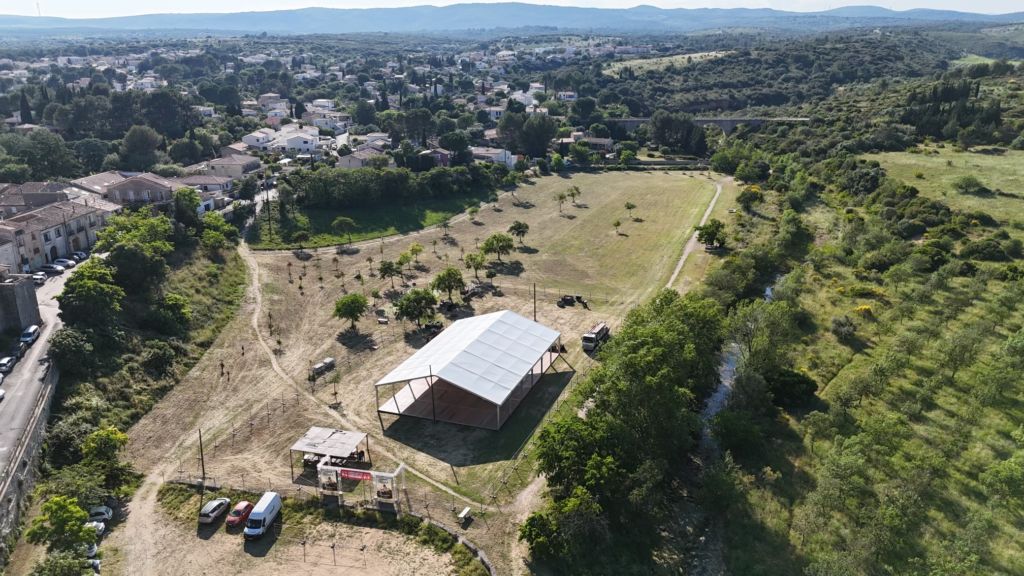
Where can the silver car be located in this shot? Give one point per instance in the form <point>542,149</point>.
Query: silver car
<point>212,509</point>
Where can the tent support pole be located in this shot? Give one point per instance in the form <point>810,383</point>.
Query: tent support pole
<point>433,406</point>
<point>376,397</point>
<point>291,464</point>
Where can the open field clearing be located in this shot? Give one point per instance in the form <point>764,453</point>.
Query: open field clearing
<point>641,65</point>
<point>372,222</point>
<point>976,59</point>
<point>941,167</point>
<point>250,396</point>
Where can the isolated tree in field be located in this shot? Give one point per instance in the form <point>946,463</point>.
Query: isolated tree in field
<point>475,261</point>
<point>616,225</point>
<point>344,225</point>
<point>473,212</point>
<point>448,280</point>
<point>445,226</point>
<point>712,233</point>
<point>416,249</point>
<point>561,197</point>
<point>519,230</point>
<point>629,208</point>
<point>573,193</point>
<point>389,269</point>
<point>61,526</point>
<point>351,307</point>
<point>498,244</point>
<point>416,305</point>
<point>405,259</point>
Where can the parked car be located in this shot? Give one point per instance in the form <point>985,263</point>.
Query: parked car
<point>262,516</point>
<point>100,514</point>
<point>593,339</point>
<point>79,256</point>
<point>213,509</point>
<point>51,269</point>
<point>17,350</point>
<point>239,514</point>
<point>65,262</point>
<point>30,335</point>
<point>99,527</point>
<point>2,394</point>
<point>7,364</point>
<point>39,278</point>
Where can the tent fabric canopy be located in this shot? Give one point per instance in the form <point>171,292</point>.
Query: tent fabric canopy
<point>329,442</point>
<point>485,355</point>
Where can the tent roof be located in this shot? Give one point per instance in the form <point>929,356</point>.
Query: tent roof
<point>329,442</point>
<point>484,355</point>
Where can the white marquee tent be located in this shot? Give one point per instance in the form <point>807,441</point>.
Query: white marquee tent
<point>475,372</point>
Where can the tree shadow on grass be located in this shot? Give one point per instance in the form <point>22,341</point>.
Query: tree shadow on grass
<point>524,249</point>
<point>524,204</point>
<point>477,445</point>
<point>355,340</point>
<point>417,338</point>
<point>512,268</point>
<point>568,216</point>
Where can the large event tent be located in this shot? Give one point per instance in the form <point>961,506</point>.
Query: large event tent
<point>476,372</point>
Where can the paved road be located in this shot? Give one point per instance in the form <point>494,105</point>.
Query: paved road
<point>22,385</point>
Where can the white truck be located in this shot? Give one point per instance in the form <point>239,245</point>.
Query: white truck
<point>262,516</point>
<point>593,339</point>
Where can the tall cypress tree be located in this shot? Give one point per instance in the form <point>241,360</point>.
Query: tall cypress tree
<point>26,109</point>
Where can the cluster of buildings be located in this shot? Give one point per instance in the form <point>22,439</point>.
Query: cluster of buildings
<point>43,221</point>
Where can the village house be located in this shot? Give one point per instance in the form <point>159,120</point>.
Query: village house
<point>145,188</point>
<point>493,155</point>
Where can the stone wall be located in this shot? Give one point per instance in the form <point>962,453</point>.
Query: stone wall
<point>16,484</point>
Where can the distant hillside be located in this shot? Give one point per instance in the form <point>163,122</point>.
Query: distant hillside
<point>505,15</point>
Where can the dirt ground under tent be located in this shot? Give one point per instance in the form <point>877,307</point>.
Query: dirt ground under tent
<point>251,398</point>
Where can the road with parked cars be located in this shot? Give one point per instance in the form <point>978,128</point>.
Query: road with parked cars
<point>22,384</point>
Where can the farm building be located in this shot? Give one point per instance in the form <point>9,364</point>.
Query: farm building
<point>474,373</point>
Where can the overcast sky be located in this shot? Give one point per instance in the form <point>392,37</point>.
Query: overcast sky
<point>101,8</point>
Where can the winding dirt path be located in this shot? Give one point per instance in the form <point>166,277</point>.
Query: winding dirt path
<point>692,243</point>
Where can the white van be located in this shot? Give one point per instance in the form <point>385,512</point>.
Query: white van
<point>262,516</point>
<point>592,339</point>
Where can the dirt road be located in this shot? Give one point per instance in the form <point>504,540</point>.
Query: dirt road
<point>692,243</point>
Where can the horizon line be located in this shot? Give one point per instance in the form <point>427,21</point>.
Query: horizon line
<point>554,3</point>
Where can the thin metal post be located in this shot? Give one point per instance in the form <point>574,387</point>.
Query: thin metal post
<point>433,407</point>
<point>202,460</point>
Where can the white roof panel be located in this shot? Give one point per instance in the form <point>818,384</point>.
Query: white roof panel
<point>485,355</point>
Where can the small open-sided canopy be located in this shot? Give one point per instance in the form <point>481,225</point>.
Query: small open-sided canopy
<point>329,442</point>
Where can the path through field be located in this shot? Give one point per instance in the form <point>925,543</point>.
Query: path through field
<point>691,244</point>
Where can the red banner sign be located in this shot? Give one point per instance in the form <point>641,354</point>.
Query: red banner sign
<point>355,475</point>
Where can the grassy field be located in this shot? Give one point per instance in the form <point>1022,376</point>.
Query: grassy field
<point>976,59</point>
<point>939,168</point>
<point>371,223</point>
<point>641,65</point>
<point>254,401</point>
